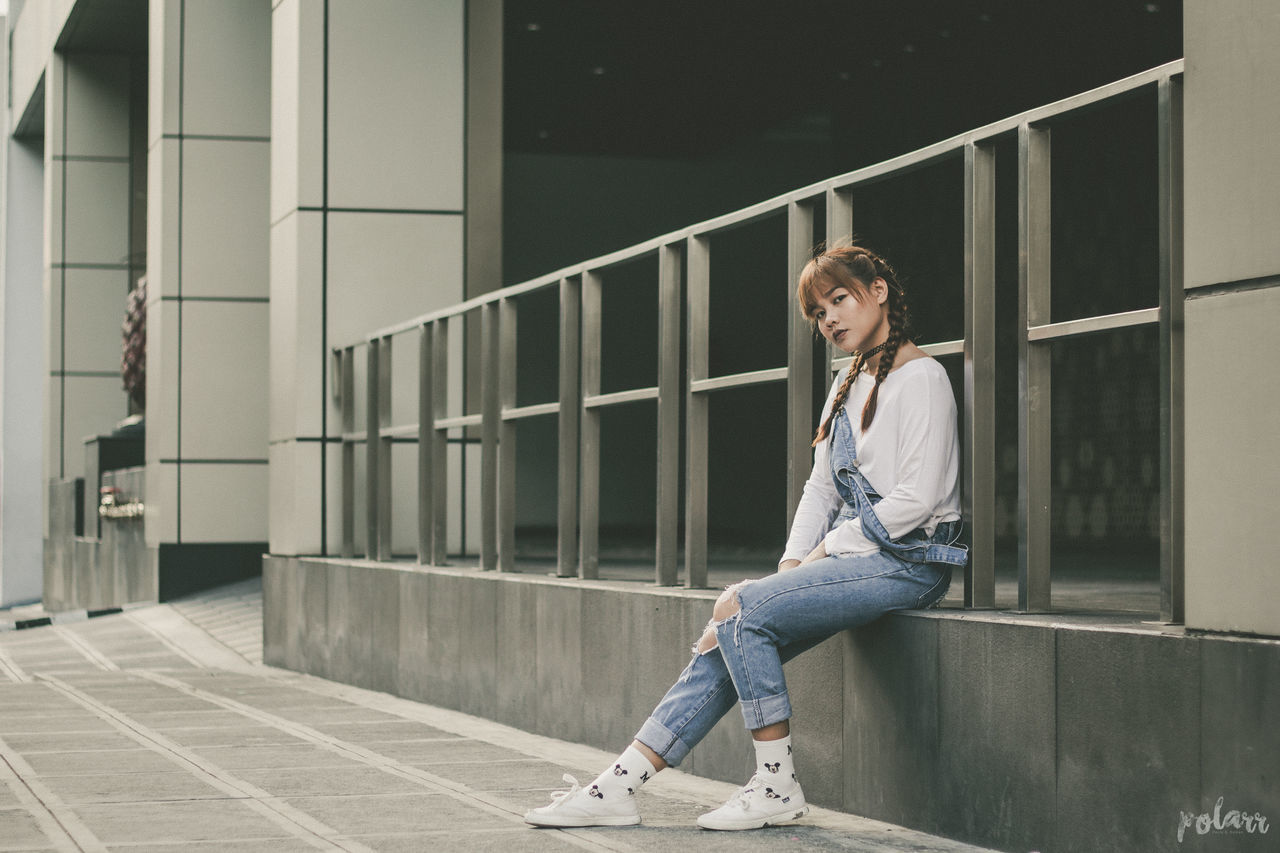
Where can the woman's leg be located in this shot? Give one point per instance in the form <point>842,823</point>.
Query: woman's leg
<point>805,605</point>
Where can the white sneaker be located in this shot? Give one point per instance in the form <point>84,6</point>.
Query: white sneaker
<point>585,807</point>
<point>757,805</point>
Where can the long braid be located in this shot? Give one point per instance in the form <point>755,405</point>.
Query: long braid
<point>861,265</point>
<point>897,334</point>
<point>837,404</point>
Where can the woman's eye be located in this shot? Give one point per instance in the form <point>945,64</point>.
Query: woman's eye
<point>837,299</point>
<point>820,315</point>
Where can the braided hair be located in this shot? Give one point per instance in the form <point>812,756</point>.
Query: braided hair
<point>855,268</point>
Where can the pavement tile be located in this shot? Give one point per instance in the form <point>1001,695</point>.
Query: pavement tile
<point>12,725</point>
<point>306,782</point>
<point>454,750</point>
<point>136,787</point>
<point>381,732</point>
<point>166,720</point>
<point>19,831</point>
<point>69,741</point>
<point>312,715</point>
<point>498,775</point>
<point>522,839</point>
<point>243,735</point>
<point>104,761</point>
<point>213,820</point>
<point>266,757</point>
<point>371,815</point>
<point>249,845</point>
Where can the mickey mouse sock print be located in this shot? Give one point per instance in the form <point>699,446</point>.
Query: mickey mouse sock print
<point>624,777</point>
<point>774,764</point>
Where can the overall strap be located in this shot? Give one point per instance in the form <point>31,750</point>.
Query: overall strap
<point>857,491</point>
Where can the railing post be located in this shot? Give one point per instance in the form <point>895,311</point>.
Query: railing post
<point>839,216</point>
<point>589,458</point>
<point>799,358</point>
<point>570,404</point>
<point>669,394</point>
<point>348,393</point>
<point>426,435</point>
<point>490,414</point>
<point>371,442</point>
<point>698,296</point>
<point>980,372</point>
<point>1034,462</point>
<point>438,401</point>
<point>506,437</point>
<point>385,446</point>
<point>1169,95</point>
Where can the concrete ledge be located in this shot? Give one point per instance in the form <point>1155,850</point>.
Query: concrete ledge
<point>1055,732</point>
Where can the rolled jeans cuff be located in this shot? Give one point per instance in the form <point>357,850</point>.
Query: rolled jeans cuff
<point>765,711</point>
<point>666,743</point>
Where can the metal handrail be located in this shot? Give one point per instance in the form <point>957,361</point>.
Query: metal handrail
<point>686,253</point>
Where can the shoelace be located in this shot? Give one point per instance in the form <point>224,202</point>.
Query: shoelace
<point>559,796</point>
<point>741,799</point>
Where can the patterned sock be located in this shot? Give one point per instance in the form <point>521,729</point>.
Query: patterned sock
<point>774,765</point>
<point>624,777</point>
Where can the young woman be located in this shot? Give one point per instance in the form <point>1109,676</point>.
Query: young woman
<point>874,532</point>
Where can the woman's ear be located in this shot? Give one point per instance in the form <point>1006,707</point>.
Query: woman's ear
<point>880,290</point>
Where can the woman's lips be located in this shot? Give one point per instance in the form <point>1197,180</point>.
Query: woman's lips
<point>840,333</point>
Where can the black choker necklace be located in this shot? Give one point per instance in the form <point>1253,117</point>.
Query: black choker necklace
<point>873,351</point>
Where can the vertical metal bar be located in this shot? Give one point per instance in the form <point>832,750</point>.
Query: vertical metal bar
<point>490,416</point>
<point>839,231</point>
<point>371,442</point>
<point>839,216</point>
<point>799,359</point>
<point>1034,464</point>
<point>980,371</point>
<point>666,564</point>
<point>570,404</point>
<point>426,433</point>
<point>439,443</point>
<point>507,437</point>
<point>589,458</point>
<point>698,298</point>
<point>348,380</point>
<point>384,449</point>
<point>1171,352</point>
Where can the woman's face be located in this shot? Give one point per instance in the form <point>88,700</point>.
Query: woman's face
<point>849,319</point>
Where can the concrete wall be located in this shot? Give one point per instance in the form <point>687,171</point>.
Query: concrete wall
<point>1017,732</point>
<point>88,170</point>
<point>208,149</point>
<point>22,366</point>
<point>1233,307</point>
<point>386,156</point>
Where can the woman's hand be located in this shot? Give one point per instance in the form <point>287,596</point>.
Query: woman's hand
<point>816,554</point>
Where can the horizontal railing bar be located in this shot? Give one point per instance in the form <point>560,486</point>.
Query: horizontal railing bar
<point>1092,325</point>
<point>906,162</point>
<point>354,437</point>
<point>943,348</point>
<point>530,411</point>
<point>399,431</point>
<point>738,380</point>
<point>597,400</point>
<point>459,421</point>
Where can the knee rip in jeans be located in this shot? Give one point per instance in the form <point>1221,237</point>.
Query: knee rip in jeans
<point>727,607</point>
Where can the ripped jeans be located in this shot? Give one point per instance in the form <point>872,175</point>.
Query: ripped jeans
<point>779,617</point>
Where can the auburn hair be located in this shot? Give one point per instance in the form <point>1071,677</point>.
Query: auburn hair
<point>854,268</point>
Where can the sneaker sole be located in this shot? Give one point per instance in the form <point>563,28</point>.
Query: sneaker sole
<point>758,823</point>
<point>575,822</point>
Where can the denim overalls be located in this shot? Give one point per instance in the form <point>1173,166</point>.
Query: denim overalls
<point>789,612</point>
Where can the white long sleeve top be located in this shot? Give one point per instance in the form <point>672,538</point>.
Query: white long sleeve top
<point>910,454</point>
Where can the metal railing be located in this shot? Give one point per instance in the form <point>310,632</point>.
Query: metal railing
<point>687,252</point>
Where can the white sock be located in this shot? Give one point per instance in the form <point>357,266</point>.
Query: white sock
<point>774,764</point>
<point>624,777</point>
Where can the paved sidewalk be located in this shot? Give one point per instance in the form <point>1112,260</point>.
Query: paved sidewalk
<point>158,729</point>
